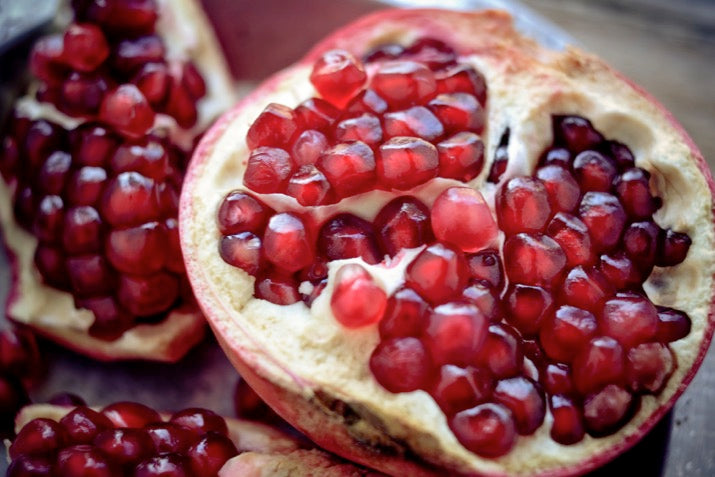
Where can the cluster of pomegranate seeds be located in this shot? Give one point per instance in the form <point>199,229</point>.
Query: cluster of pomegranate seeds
<point>123,439</point>
<point>21,367</point>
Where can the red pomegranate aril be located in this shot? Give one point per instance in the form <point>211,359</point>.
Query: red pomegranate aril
<point>527,307</point>
<point>575,133</point>
<point>486,266</point>
<point>475,229</point>
<point>110,321</point>
<point>401,365</point>
<point>525,399</point>
<point>439,273</point>
<point>192,80</point>
<point>174,257</point>
<point>648,367</point>
<point>286,242</point>
<point>130,414</point>
<point>432,52</point>
<point>502,353</point>
<point>41,140</point>
<point>47,60</point>
<point>458,112</point>
<point>405,162</point>
<point>309,187</point>
<point>241,212</point>
<point>338,75</point>
<point>50,262</point>
<point>274,127</point>
<point>365,128</point>
<point>562,189</point>
<point>406,314</point>
<point>30,466</point>
<point>149,294</point>
<point>127,110</point>
<point>404,83</point>
<point>620,153</point>
<point>455,333</point>
<point>620,271</point>
<point>533,259</point>
<point>125,446</point>
<point>594,171</point>
<point>90,275</point>
<point>572,235</point>
<point>568,332</point>
<point>38,437</point>
<point>278,288</point>
<point>487,430</point>
<point>633,190</point>
<point>53,173</point>
<point>567,427</point>
<point>556,156</point>
<point>164,465</point>
<point>85,186</point>
<point>242,250</point>
<point>137,250</point>
<point>672,248</point>
<point>85,461</point>
<point>130,54</point>
<point>47,226</point>
<point>83,424</point>
<point>268,170</point>
<point>598,363</point>
<point>485,298</point>
<point>357,300</point>
<point>181,105</point>
<point>82,93</point>
<point>200,421</point>
<point>93,145</point>
<point>153,81</point>
<point>456,389</point>
<point>672,325</point>
<point>210,453</point>
<point>463,79</point>
<point>131,17</point>
<point>25,206</point>
<point>349,167</point>
<point>348,236</point>
<point>314,113</point>
<point>607,410</point>
<point>308,147</point>
<point>629,318</point>
<point>556,379</point>
<point>384,51</point>
<point>586,288</point>
<point>416,121</point>
<point>640,241</point>
<point>605,218</point>
<point>20,355</point>
<point>146,156</point>
<point>403,223</point>
<point>367,101</point>
<point>522,205</point>
<point>461,156</point>
<point>170,437</point>
<point>129,200</point>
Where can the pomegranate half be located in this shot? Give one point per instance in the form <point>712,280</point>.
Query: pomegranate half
<point>92,163</point>
<point>434,246</point>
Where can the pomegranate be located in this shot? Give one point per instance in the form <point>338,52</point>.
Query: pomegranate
<point>527,300</point>
<point>92,168</point>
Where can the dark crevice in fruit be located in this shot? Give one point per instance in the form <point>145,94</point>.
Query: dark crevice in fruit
<point>501,158</point>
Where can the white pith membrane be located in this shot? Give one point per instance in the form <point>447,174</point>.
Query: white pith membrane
<point>187,35</point>
<point>310,368</point>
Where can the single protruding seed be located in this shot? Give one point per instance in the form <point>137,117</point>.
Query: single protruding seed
<point>357,300</point>
<point>287,243</point>
<point>487,430</point>
<point>474,230</point>
<point>401,365</point>
<point>338,75</point>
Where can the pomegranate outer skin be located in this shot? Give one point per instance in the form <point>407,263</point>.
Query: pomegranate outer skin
<point>356,418</point>
<point>52,312</point>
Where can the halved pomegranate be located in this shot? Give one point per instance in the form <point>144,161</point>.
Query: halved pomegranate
<point>92,163</point>
<point>527,234</point>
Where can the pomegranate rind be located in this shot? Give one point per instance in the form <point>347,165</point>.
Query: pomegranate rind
<point>315,374</point>
<point>188,35</point>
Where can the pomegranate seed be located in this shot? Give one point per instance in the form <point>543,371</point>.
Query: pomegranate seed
<point>90,275</point>
<point>640,242</point>
<point>170,437</point>
<point>557,156</point>
<point>567,427</point>
<point>82,93</point>
<point>86,186</point>
<point>138,250</point>
<point>621,154</point>
<point>403,223</point>
<point>461,156</point>
<point>502,353</point>
<point>605,218</point>
<point>110,321</point>
<point>349,167</point>
<point>9,157</point>
<point>569,331</point>
<point>180,105</point>
<point>557,379</point>
<point>527,305</point>
<point>629,318</point>
<point>130,54</point>
<point>93,145</point>
<point>458,112</point>
<point>572,235</point>
<point>594,171</point>
<point>20,355</point>
<point>487,430</point>
<point>241,212</point>
<point>533,259</point>
<point>338,75</point>
<point>129,200</point>
<point>242,250</point>
<point>485,298</point>
<point>357,300</point>
<point>165,465</point>
<point>130,17</point>
<point>456,389</point>
<point>277,288</point>
<point>620,271</point>
<point>85,47</point>
<point>562,189</point>
<point>309,187</point>
<point>200,421</point>
<point>41,140</point>
<point>130,414</point>
<point>463,79</point>
<point>348,236</point>
<point>153,79</point>
<point>53,173</point>
<point>486,266</point>
<point>455,333</point>
<point>607,410</point>
<point>25,206</point>
<point>598,363</point>
<point>522,205</point>
<point>29,466</point>
<point>439,273</point>
<point>268,170</point>
<point>404,83</point>
<point>50,262</point>
<point>525,399</point>
<point>416,121</point>
<point>476,228</point>
<point>365,128</point>
<point>192,80</point>
<point>315,113</point>
<point>127,110</point>
<point>125,446</point>
<point>401,365</point>
<point>287,243</point>
<point>575,133</point>
<point>648,367</point>
<point>672,248</point>
<point>148,295</point>
<point>384,51</point>
<point>432,52</point>
<point>367,101</point>
<point>406,162</point>
<point>38,437</point>
<point>406,314</point>
<point>672,325</point>
<point>48,221</point>
<point>210,453</point>
<point>85,460</point>
<point>47,60</point>
<point>274,127</point>
<point>147,157</point>
<point>308,147</point>
<point>83,424</point>
<point>585,288</point>
<point>634,192</point>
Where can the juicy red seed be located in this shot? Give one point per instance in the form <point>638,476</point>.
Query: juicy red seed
<point>38,437</point>
<point>308,147</point>
<point>41,140</point>
<point>90,275</point>
<point>147,157</point>
<point>47,59</point>
<point>605,218</point>
<point>93,145</point>
<point>54,172</point>
<point>594,171</point>
<point>607,410</point>
<point>525,399</point>
<point>463,79</point>
<point>476,228</point>
<point>572,235</point>
<point>461,156</point>
<point>621,154</point>
<point>672,325</point>
<point>502,353</point>
<point>348,236</point>
<point>406,314</point>
<point>241,212</point>
<point>456,389</point>
<point>129,55</point>
<point>192,80</point>
<point>129,200</point>
<point>648,367</point>
<point>620,271</point>
<point>86,185</point>
<point>455,333</point>
<point>404,222</point>
<point>458,112</point>
<point>404,83</point>
<point>200,421</point>
<point>164,465</point>
<point>24,207</point>
<point>562,189</point>
<point>384,51</point>
<point>349,167</point>
<point>486,266</point>
<point>174,257</point>
<point>367,101</point>
<point>50,262</point>
<point>30,466</point>
<point>127,110</point>
<point>629,318</point>
<point>316,113</point>
<point>417,121</point>
<point>575,133</point>
<point>181,105</point>
<point>309,186</point>
<point>287,243</point>
<point>153,81</point>
<point>277,288</point>
<point>640,242</point>
<point>110,321</point>
<point>533,259</point>
<point>365,128</point>
<point>432,52</point>
<point>129,17</point>
<point>401,365</point>
<point>567,427</point>
<point>83,424</point>
<point>139,250</point>
<point>485,298</point>
<point>130,414</point>
<point>487,430</point>
<point>672,248</point>
<point>585,288</point>
<point>274,127</point>
<point>209,454</point>
<point>406,162</point>
<point>170,437</point>
<point>338,75</point>
<point>557,379</point>
<point>527,307</point>
<point>556,156</point>
<point>48,220</point>
<point>125,446</point>
<point>82,93</point>
<point>439,273</point>
<point>569,331</point>
<point>20,355</point>
<point>633,190</point>
<point>357,300</point>
<point>148,295</point>
<point>85,460</point>
<point>268,170</point>
<point>598,363</point>
<point>522,205</point>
